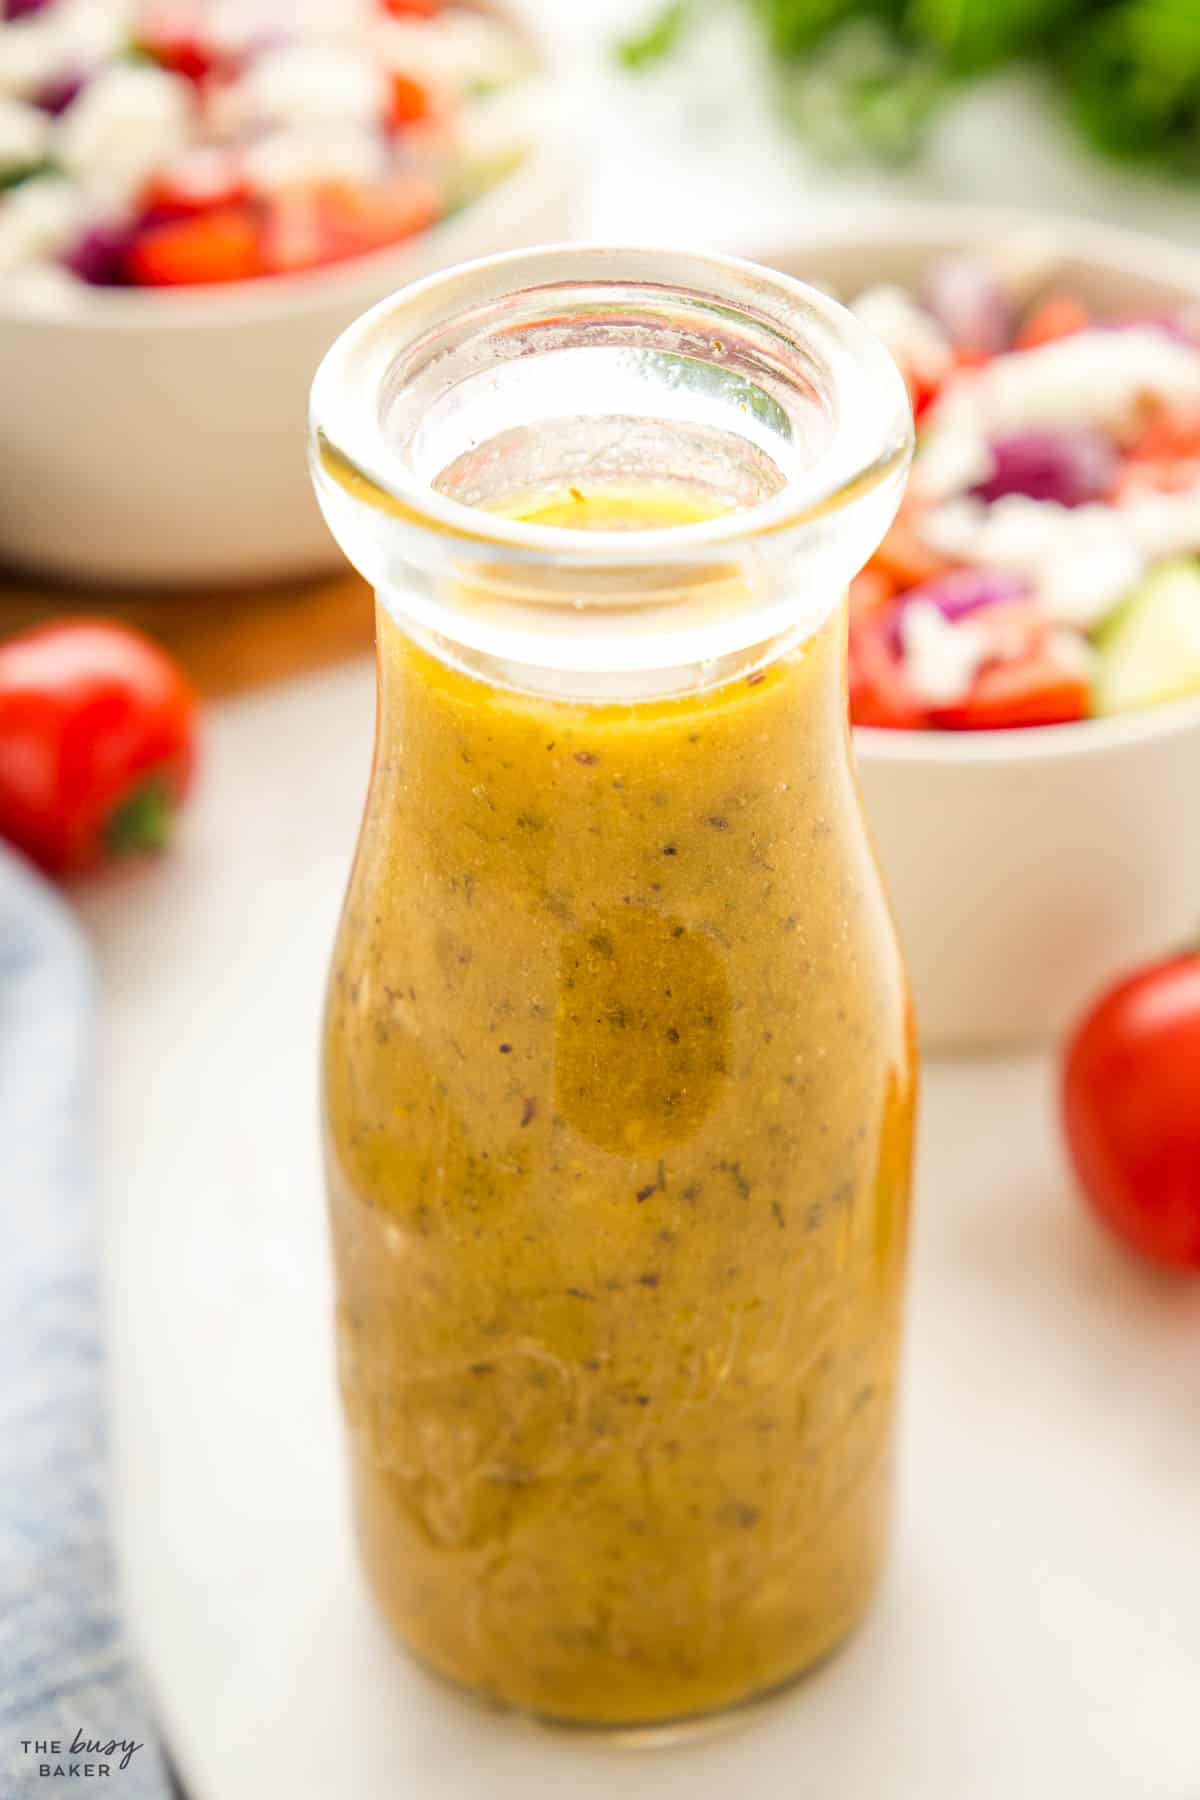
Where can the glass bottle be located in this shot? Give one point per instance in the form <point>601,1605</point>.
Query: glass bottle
<point>618,1067</point>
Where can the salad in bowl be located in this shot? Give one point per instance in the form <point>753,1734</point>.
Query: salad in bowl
<point>169,143</point>
<point>1044,568</point>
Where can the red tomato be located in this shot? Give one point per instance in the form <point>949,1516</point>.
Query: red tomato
<point>904,555</point>
<point>1032,690</point>
<point>407,9</point>
<point>362,219</point>
<point>220,245</point>
<point>1057,316</point>
<point>305,227</point>
<point>181,53</point>
<point>1171,435</point>
<point>870,588</point>
<point>408,102</point>
<point>294,236</point>
<point>1131,1109</point>
<point>97,743</point>
<point>879,690</point>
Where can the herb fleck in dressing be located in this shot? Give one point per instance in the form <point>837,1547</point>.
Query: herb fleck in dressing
<point>619,1090</point>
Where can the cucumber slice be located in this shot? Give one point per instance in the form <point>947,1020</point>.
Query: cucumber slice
<point>1151,651</point>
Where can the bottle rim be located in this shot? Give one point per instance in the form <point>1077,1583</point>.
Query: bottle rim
<point>868,446</point>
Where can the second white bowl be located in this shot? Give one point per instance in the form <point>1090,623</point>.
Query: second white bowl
<point>1026,868</point>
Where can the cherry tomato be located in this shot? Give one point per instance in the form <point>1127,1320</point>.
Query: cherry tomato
<point>1033,690</point>
<point>1131,1109</point>
<point>408,101</point>
<point>904,555</point>
<point>1057,316</point>
<point>219,245</point>
<point>97,743</point>
<point>879,689</point>
<point>362,219</point>
<point>870,588</point>
<point>306,227</point>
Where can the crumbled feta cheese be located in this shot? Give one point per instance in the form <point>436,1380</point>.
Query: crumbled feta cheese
<point>305,84</point>
<point>1080,559</point>
<point>313,154</point>
<point>24,136</point>
<point>914,338</point>
<point>457,49</point>
<point>234,26</point>
<point>38,220</point>
<point>1099,378</point>
<point>42,287</point>
<point>125,124</point>
<point>32,53</point>
<point>73,35</point>
<point>1165,524</point>
<point>941,657</point>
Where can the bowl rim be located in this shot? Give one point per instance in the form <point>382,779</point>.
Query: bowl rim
<point>926,225</point>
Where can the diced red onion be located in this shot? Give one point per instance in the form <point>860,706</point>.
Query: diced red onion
<point>22,9</point>
<point>960,592</point>
<point>1071,467</point>
<point>57,95</point>
<point>969,304</point>
<point>98,257</point>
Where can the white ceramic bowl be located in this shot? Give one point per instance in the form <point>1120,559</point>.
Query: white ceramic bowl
<point>1026,867</point>
<point>159,437</point>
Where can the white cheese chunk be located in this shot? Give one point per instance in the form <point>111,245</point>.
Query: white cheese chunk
<point>304,156</point>
<point>65,39</point>
<point>1097,378</point>
<point>24,136</point>
<point>912,335</point>
<point>1080,559</point>
<point>941,656</point>
<point>38,220</point>
<point>125,124</point>
<point>305,85</point>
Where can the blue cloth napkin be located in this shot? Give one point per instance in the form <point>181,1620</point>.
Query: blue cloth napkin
<point>68,1693</point>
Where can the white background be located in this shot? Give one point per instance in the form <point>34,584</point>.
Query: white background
<point>1039,1633</point>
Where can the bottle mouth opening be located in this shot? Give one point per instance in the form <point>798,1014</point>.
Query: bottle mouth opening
<point>589,365</point>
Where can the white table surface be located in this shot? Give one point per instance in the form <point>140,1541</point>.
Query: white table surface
<point>1039,1634</point>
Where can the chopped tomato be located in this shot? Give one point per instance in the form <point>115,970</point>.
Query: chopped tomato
<point>172,35</point>
<point>1171,435</point>
<point>880,693</point>
<point>183,55</point>
<point>220,245</point>
<point>968,358</point>
<point>294,234</point>
<point>306,227</point>
<point>408,101</point>
<point>408,9</point>
<point>1035,690</point>
<point>361,219</point>
<point>903,554</point>
<point>921,394</point>
<point>206,177</point>
<point>870,588</point>
<point>1057,316</point>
